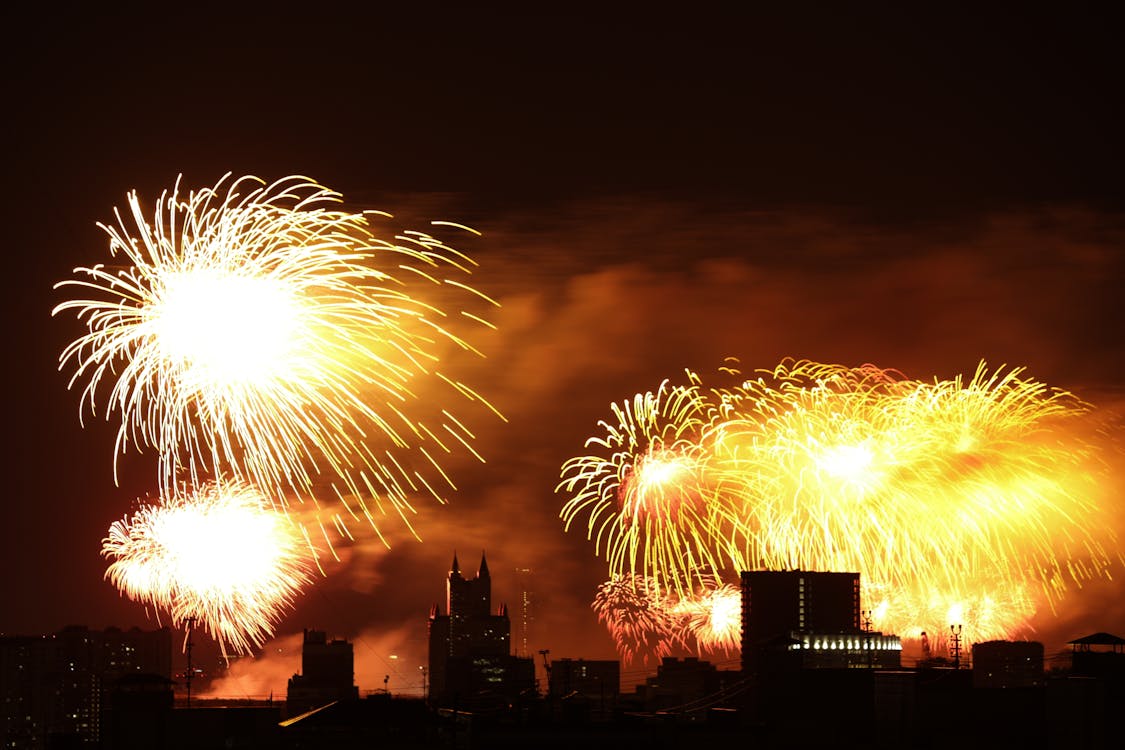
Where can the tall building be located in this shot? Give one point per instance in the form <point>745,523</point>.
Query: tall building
<point>58,689</point>
<point>470,648</point>
<point>525,613</point>
<point>327,674</point>
<point>811,620</point>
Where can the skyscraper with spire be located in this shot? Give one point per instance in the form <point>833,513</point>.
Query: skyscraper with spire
<point>470,646</point>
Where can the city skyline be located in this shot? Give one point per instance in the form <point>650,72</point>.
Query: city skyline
<point>918,193</point>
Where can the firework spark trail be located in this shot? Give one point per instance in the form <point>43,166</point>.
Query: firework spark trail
<point>259,332</point>
<point>970,495</point>
<point>222,557</point>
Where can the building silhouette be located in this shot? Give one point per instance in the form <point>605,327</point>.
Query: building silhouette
<point>592,686</point>
<point>1098,655</point>
<point>141,718</point>
<point>327,674</point>
<point>1007,664</point>
<point>470,660</point>
<point>689,686</point>
<point>58,689</point>
<point>803,645</point>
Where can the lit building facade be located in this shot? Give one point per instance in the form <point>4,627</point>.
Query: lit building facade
<point>849,650</point>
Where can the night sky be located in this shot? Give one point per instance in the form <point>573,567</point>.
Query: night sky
<point>918,190</point>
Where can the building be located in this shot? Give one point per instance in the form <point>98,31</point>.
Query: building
<point>689,685</point>
<point>1086,702</point>
<point>142,714</point>
<point>1098,655</point>
<point>594,678</point>
<point>470,647</point>
<point>809,620</point>
<point>1007,664</point>
<point>848,650</point>
<point>803,646</point>
<point>595,684</point>
<point>327,674</point>
<point>58,689</point>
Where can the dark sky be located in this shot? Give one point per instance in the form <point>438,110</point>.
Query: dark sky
<point>919,189</point>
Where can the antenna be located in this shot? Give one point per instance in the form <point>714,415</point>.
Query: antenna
<point>955,645</point>
<point>190,622</point>
<point>866,614</point>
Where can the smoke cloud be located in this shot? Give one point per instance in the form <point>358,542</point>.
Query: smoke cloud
<point>605,301</point>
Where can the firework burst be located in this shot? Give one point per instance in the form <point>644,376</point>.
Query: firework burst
<point>637,616</point>
<point>259,332</point>
<point>645,494</point>
<point>712,619</point>
<point>969,497</point>
<point>221,557</point>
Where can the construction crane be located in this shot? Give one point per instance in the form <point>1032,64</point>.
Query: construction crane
<point>546,666</point>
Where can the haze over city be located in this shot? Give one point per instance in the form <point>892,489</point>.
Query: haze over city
<point>919,192</point>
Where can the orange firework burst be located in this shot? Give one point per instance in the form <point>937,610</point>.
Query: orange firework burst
<point>637,616</point>
<point>970,497</point>
<point>218,556</point>
<point>259,332</point>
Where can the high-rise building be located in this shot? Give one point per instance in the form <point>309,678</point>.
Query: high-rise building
<point>470,648</point>
<point>810,619</point>
<point>57,689</point>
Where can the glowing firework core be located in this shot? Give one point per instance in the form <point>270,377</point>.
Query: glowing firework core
<point>656,487</point>
<point>226,330</point>
<point>220,556</point>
